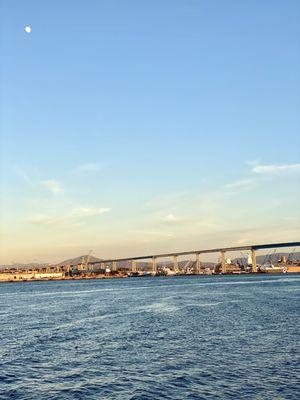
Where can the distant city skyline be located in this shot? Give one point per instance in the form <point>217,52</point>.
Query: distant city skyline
<point>143,127</point>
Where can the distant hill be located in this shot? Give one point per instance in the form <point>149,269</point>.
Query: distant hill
<point>78,260</point>
<point>70,261</point>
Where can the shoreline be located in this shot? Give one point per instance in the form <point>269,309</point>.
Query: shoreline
<point>101,277</point>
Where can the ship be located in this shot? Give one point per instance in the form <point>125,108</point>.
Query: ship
<point>290,266</point>
<point>269,268</point>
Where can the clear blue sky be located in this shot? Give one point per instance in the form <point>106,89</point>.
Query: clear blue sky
<point>134,126</point>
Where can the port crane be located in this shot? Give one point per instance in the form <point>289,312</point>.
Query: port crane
<point>185,268</point>
<point>291,256</point>
<point>243,260</point>
<point>269,258</point>
<point>86,260</point>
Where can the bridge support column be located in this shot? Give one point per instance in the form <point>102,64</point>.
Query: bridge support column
<point>254,264</point>
<point>102,265</point>
<point>154,266</point>
<point>114,266</point>
<point>223,262</point>
<point>198,266</point>
<point>133,266</point>
<point>176,269</point>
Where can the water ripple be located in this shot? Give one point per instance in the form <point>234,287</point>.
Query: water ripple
<point>151,338</point>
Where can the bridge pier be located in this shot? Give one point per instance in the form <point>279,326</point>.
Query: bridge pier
<point>154,266</point>
<point>176,269</point>
<point>102,265</point>
<point>254,264</point>
<point>223,261</point>
<point>114,266</point>
<point>133,266</point>
<point>198,265</point>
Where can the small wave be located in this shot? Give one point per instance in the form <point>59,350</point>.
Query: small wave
<point>165,285</point>
<point>212,304</point>
<point>82,321</point>
<point>159,308</point>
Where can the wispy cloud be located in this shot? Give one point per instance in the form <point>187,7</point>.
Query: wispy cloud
<point>74,216</point>
<point>276,168</point>
<point>45,219</point>
<point>172,219</point>
<point>167,201</point>
<point>88,212</point>
<point>150,236</point>
<point>150,233</point>
<point>240,184</point>
<point>89,167</point>
<point>52,185</point>
<point>24,176</point>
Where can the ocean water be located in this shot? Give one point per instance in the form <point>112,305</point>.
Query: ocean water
<point>221,337</point>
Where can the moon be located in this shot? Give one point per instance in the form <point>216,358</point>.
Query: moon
<point>27,29</point>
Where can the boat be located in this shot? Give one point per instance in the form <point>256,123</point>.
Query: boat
<point>269,268</point>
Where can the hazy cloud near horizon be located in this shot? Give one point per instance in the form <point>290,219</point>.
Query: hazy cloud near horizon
<point>224,216</point>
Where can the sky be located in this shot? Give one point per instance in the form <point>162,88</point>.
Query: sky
<point>134,127</point>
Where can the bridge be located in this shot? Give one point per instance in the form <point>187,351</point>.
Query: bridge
<point>197,253</point>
